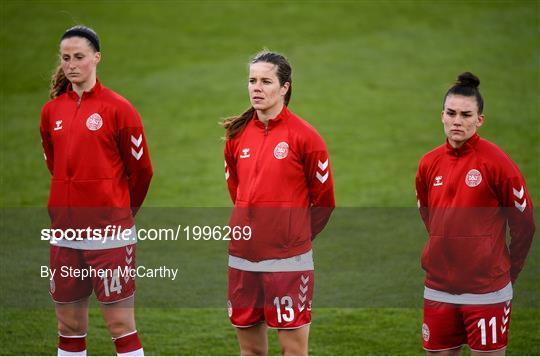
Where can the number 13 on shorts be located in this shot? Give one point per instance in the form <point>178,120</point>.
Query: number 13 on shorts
<point>287,303</point>
<point>281,299</point>
<point>290,296</point>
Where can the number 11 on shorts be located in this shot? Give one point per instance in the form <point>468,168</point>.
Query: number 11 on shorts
<point>287,303</point>
<point>482,326</point>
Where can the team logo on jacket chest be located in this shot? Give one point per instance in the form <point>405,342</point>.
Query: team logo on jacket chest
<point>438,181</point>
<point>58,125</point>
<point>94,122</point>
<point>281,150</point>
<point>473,178</point>
<point>245,153</point>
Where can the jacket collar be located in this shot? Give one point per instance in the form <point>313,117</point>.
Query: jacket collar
<point>95,90</point>
<point>282,116</point>
<point>468,146</point>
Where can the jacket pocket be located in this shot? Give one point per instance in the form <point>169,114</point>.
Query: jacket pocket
<point>92,193</point>
<point>92,202</point>
<point>270,225</point>
<point>459,263</point>
<point>270,229</point>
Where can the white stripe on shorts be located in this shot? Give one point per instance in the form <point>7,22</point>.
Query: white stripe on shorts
<point>300,262</point>
<point>495,297</point>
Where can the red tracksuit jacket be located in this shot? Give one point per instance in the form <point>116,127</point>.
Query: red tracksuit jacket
<point>280,182</point>
<point>467,197</point>
<point>97,154</point>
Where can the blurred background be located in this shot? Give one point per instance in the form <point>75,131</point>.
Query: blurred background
<point>370,76</point>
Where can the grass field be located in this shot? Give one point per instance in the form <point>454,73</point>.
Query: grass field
<point>369,76</point>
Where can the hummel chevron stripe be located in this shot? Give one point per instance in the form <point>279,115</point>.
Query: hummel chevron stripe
<point>136,155</point>
<point>322,178</point>
<point>136,142</point>
<point>521,206</point>
<point>519,194</point>
<point>323,165</point>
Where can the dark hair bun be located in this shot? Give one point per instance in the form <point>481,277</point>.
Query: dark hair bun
<point>467,79</point>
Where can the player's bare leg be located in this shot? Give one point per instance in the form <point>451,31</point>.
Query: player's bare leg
<point>72,318</point>
<point>452,352</point>
<point>253,340</point>
<point>120,320</point>
<point>501,352</point>
<point>119,317</point>
<point>294,342</point>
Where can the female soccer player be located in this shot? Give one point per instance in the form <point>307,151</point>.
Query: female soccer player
<point>468,191</point>
<point>96,151</point>
<point>279,179</point>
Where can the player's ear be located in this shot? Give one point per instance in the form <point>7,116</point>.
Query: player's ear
<point>97,57</point>
<point>442,116</point>
<point>284,88</point>
<point>481,120</point>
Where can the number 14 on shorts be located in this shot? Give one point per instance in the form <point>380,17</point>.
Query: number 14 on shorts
<point>112,284</point>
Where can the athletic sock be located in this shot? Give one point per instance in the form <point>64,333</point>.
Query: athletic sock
<point>128,345</point>
<point>71,345</point>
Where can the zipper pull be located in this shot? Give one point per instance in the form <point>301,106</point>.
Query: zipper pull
<point>266,130</point>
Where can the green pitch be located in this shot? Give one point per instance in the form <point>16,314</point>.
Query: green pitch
<point>369,76</point>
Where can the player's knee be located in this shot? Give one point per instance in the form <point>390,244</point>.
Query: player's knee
<point>120,327</point>
<point>294,350</point>
<point>72,327</point>
<point>253,351</point>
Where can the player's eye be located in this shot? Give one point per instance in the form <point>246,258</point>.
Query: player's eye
<point>450,114</point>
<point>79,57</point>
<point>267,82</point>
<point>252,80</point>
<point>65,58</point>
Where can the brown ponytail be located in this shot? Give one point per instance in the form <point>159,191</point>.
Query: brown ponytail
<point>59,83</point>
<point>235,124</point>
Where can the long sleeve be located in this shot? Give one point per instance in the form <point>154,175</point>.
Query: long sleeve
<point>517,204</point>
<point>46,141</point>
<point>318,173</point>
<point>134,152</point>
<point>422,196</point>
<point>230,171</point>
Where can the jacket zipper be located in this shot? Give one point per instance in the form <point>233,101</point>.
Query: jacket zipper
<point>450,191</point>
<point>260,151</point>
<point>69,154</point>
